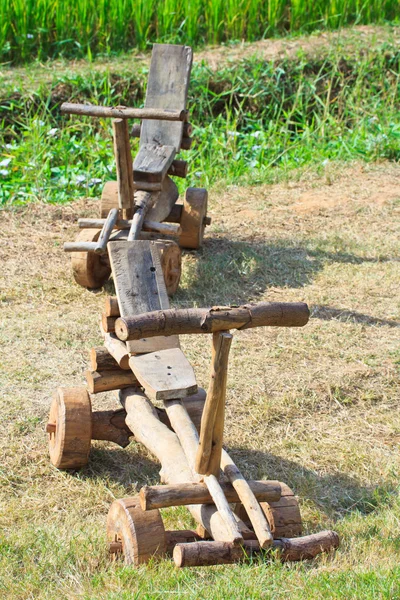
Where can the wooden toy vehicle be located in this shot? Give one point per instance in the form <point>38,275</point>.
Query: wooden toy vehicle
<point>163,408</point>
<point>142,203</point>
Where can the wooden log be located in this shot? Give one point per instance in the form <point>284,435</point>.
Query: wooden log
<point>175,214</point>
<point>111,308</point>
<point>143,421</point>
<point>122,112</point>
<point>186,143</point>
<point>189,440</point>
<point>105,233</point>
<point>208,457</point>
<point>210,320</point>
<point>198,554</point>
<point>124,176</point>
<point>124,224</point>
<point>194,405</point>
<point>104,381</point>
<point>178,168</point>
<point>248,499</point>
<point>187,129</point>
<point>108,323</point>
<point>179,536</point>
<point>118,350</point>
<point>101,359</point>
<point>110,425</point>
<point>162,496</point>
<point>147,186</point>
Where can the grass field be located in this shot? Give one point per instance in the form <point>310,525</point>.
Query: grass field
<point>316,407</point>
<point>298,141</point>
<point>52,28</point>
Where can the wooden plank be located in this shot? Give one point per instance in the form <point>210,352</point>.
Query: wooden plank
<point>164,374</point>
<point>140,286</point>
<point>167,88</point>
<point>152,162</point>
<point>165,201</point>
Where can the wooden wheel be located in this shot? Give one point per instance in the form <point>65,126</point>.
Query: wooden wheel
<point>90,270</point>
<point>193,218</point>
<point>109,198</point>
<point>70,428</point>
<point>283,516</point>
<point>141,533</point>
<point>171,263</point>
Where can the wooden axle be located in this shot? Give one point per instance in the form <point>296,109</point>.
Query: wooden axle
<point>183,494</point>
<point>200,554</point>
<point>122,112</point>
<point>123,224</point>
<point>210,320</point>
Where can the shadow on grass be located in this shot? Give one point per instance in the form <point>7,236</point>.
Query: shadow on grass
<point>234,272</point>
<point>328,313</point>
<point>335,494</point>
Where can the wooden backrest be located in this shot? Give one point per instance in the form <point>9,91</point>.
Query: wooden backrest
<point>167,87</point>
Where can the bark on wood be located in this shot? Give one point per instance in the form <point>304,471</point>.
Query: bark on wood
<point>122,112</point>
<point>178,168</point>
<point>162,496</point>
<point>210,320</point>
<point>110,425</point>
<point>208,457</point>
<point>248,499</point>
<point>198,554</point>
<point>142,420</point>
<point>103,381</point>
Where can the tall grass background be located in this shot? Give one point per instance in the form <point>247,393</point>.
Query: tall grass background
<point>50,28</point>
<point>255,121</point>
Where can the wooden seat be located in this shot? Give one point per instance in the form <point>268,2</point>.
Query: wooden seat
<point>152,162</point>
<point>165,374</point>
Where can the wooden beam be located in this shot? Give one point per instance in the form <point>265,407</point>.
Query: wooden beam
<point>123,164</point>
<point>104,381</point>
<point>210,320</point>
<point>162,496</point>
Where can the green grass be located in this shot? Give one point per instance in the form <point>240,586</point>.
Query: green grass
<point>49,28</point>
<point>255,121</point>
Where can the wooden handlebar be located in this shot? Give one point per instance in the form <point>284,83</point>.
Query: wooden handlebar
<point>122,112</point>
<point>209,320</point>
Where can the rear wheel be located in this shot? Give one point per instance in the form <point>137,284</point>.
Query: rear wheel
<point>90,270</point>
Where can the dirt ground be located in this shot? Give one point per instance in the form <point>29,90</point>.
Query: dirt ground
<point>317,407</point>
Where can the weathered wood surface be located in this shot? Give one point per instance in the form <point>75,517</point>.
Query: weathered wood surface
<point>143,421</point>
<point>104,381</point>
<point>173,114</point>
<point>117,349</point>
<point>210,320</point>
<point>162,496</point>
<point>248,499</point>
<point>110,425</point>
<point>167,87</point>
<point>208,456</point>
<point>108,323</point>
<point>111,308</point>
<point>164,374</point>
<point>198,554</point>
<point>136,128</point>
<point>140,286</point>
<point>164,202</point>
<point>189,440</point>
<point>152,162</point>
<point>101,359</point>
<point>123,161</point>
<point>170,229</point>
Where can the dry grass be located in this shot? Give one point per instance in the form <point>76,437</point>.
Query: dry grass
<point>316,407</point>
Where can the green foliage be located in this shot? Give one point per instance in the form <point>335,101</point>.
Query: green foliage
<point>49,28</point>
<point>249,118</point>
